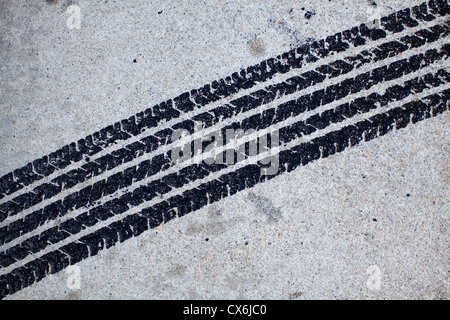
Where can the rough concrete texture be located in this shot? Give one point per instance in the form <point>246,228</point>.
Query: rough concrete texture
<point>309,234</point>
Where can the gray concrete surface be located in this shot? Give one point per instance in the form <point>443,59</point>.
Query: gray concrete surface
<point>382,203</point>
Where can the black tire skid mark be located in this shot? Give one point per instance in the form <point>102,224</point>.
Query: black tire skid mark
<point>245,79</point>
<point>227,185</point>
<point>193,172</point>
<point>151,143</point>
<point>437,103</point>
<point>88,196</point>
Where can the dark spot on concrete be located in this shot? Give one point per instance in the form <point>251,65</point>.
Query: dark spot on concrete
<point>295,295</point>
<point>408,195</point>
<point>207,239</point>
<point>309,14</point>
<point>87,159</point>
<point>265,206</point>
<point>177,270</point>
<point>257,47</point>
<point>214,212</point>
<point>159,12</point>
<point>374,220</point>
<point>74,295</point>
<point>135,60</point>
<point>67,3</point>
<point>51,2</point>
<point>297,37</point>
<point>246,243</point>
